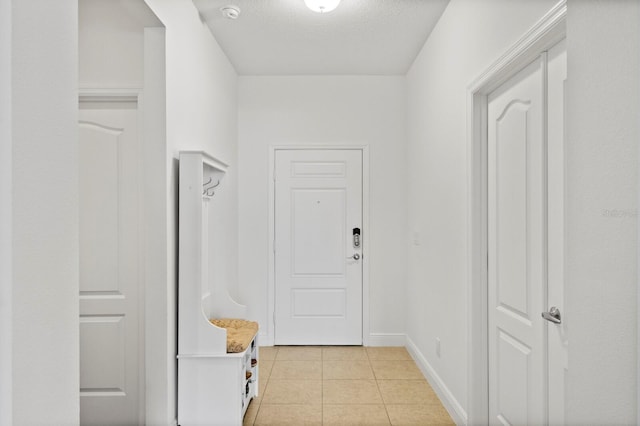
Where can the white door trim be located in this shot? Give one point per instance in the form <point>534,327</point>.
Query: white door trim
<point>160,284</point>
<point>268,337</point>
<point>549,30</point>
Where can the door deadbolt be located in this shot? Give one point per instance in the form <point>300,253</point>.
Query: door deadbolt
<point>356,237</point>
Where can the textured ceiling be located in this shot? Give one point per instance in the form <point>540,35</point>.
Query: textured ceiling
<point>283,37</point>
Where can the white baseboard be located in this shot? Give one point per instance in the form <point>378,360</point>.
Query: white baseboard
<point>265,339</point>
<point>387,339</point>
<point>375,339</point>
<point>452,405</point>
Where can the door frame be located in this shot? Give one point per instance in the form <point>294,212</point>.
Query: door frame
<point>136,97</point>
<point>549,30</point>
<point>271,294</point>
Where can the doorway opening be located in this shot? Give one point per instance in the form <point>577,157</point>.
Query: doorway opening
<point>122,108</point>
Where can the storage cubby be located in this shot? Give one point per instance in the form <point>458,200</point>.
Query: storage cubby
<point>215,386</point>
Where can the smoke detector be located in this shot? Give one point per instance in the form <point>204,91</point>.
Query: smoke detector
<point>230,12</point>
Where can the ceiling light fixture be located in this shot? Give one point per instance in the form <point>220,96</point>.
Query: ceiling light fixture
<point>322,6</point>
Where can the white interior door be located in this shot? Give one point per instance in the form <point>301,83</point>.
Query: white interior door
<point>517,249</point>
<point>527,354</point>
<point>318,268</point>
<point>110,358</point>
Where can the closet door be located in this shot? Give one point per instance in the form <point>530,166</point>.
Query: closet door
<point>517,250</point>
<point>110,337</point>
<point>527,339</point>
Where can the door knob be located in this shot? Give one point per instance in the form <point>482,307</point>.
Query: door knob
<point>355,256</point>
<point>553,315</point>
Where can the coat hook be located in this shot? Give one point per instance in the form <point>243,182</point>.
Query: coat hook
<point>210,191</point>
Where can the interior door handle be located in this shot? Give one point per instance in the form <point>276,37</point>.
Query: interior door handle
<point>553,315</point>
<point>355,256</point>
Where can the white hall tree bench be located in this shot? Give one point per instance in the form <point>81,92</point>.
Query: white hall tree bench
<point>217,348</point>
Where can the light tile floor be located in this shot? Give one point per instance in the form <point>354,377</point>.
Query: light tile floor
<point>342,385</point>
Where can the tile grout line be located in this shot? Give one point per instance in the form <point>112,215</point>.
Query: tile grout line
<point>266,383</point>
<point>384,404</point>
<point>322,386</point>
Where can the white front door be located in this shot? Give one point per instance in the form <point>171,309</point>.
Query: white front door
<point>318,266</point>
<point>525,165</point>
<point>110,335</point>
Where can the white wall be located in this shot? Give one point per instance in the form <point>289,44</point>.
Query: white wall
<point>331,110</point>
<point>603,130</point>
<point>45,212</point>
<point>6,384</point>
<point>111,42</point>
<point>468,38</point>
<point>201,115</point>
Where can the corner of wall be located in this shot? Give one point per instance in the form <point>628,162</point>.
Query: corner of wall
<point>201,110</point>
<point>453,406</point>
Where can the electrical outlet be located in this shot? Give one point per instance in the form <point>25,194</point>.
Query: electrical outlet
<point>438,347</point>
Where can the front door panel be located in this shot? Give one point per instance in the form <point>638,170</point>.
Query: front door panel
<point>318,296</point>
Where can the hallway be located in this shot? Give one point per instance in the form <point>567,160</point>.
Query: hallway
<point>343,385</point>
<point>418,123</point>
